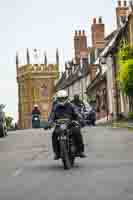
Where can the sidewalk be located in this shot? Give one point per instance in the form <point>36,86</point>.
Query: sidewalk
<point>121,124</point>
<point>115,124</point>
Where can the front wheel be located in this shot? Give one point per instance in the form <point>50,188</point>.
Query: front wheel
<point>64,155</point>
<point>93,123</point>
<point>72,161</point>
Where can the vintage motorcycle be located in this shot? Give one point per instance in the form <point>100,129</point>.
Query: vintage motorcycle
<point>35,121</point>
<point>88,116</point>
<point>67,146</point>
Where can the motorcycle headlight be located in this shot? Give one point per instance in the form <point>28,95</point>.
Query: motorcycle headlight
<point>63,126</point>
<point>36,118</point>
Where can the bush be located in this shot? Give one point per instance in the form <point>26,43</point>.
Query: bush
<point>130,115</point>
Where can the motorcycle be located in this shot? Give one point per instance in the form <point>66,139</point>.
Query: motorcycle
<point>35,121</point>
<point>90,117</point>
<point>80,111</point>
<point>67,146</point>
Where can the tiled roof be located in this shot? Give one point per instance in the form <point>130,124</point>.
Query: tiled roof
<point>77,75</point>
<point>110,36</point>
<point>96,81</point>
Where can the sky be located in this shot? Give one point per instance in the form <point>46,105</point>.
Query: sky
<point>45,24</point>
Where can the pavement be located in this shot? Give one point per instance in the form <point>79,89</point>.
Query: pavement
<point>116,124</point>
<point>28,171</point>
<point>122,124</point>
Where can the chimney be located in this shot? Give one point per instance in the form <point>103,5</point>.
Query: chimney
<point>80,44</point>
<point>122,12</point>
<point>94,21</point>
<point>76,33</point>
<point>98,33</point>
<point>119,3</point>
<point>100,20</point>
<point>125,3</point>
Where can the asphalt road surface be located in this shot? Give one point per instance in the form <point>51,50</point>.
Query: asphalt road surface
<point>28,171</point>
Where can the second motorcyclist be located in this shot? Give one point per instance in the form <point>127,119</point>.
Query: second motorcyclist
<point>36,117</point>
<point>64,109</point>
<point>77,102</point>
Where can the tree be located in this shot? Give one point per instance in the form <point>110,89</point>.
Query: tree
<point>9,121</point>
<point>125,75</point>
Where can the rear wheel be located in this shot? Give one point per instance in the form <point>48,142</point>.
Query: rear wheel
<point>73,152</point>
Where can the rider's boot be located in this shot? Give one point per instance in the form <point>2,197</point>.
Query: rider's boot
<point>56,156</point>
<point>82,155</point>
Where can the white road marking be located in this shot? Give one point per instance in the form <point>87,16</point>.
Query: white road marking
<point>17,172</point>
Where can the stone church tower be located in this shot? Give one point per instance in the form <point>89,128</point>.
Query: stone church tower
<point>35,86</point>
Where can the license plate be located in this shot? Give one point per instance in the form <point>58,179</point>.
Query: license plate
<point>61,138</point>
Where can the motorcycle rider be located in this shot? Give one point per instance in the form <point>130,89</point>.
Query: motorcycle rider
<point>77,102</point>
<point>36,110</point>
<point>64,109</point>
<point>79,107</point>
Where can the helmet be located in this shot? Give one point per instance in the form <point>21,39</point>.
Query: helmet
<point>62,97</point>
<point>76,97</point>
<point>35,106</point>
<point>54,98</point>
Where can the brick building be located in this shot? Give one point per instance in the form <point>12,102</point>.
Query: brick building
<point>36,84</point>
<point>116,102</point>
<point>97,61</point>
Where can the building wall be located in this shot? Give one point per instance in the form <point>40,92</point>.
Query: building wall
<point>98,33</point>
<point>110,84</point>
<point>79,87</point>
<point>131,29</point>
<point>36,87</point>
<point>100,91</point>
<point>123,102</point>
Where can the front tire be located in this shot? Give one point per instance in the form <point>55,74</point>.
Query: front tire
<point>72,161</point>
<point>64,155</point>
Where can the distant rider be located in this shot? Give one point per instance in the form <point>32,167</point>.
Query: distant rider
<point>78,103</point>
<point>36,110</point>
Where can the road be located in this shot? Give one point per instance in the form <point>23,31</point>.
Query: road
<point>28,171</point>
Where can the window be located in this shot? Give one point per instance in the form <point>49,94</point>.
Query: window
<point>92,57</point>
